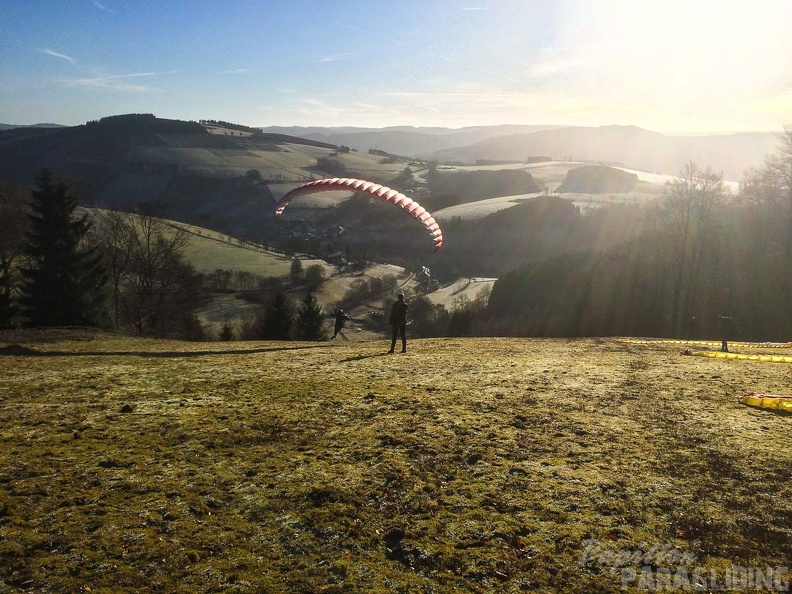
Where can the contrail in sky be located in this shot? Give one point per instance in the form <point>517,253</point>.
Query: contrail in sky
<point>55,54</point>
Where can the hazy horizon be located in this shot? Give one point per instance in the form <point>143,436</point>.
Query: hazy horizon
<point>675,67</point>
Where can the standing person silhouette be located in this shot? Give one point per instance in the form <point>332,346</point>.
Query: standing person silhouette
<point>726,329</point>
<point>398,321</point>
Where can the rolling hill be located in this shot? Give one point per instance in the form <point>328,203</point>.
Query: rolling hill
<point>40,125</point>
<point>404,140</point>
<point>629,146</point>
<point>228,178</point>
<point>223,179</point>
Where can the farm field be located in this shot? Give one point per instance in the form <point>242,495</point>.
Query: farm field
<point>463,288</point>
<point>209,250</point>
<point>650,187</point>
<point>552,174</point>
<point>481,208</point>
<point>465,465</point>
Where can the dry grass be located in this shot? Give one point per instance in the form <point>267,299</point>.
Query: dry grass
<point>477,465</point>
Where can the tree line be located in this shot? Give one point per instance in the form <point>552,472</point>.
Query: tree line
<point>118,270</point>
<point>701,253</point>
<point>670,268</point>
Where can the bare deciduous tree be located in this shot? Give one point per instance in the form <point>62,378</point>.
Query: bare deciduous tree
<point>113,230</point>
<point>154,288</point>
<point>690,203</point>
<point>13,223</point>
<point>777,179</point>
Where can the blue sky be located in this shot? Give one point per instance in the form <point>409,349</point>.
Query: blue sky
<point>666,65</point>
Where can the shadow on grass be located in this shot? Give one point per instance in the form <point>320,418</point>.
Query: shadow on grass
<point>775,411</point>
<point>15,350</point>
<point>361,357</point>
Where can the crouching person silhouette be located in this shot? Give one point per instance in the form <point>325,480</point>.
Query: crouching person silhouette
<point>340,321</point>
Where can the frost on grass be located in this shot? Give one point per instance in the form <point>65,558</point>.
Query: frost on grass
<point>466,465</point>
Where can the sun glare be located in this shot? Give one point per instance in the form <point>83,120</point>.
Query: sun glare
<point>680,56</point>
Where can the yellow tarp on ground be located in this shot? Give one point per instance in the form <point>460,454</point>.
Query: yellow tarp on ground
<point>768,401</point>
<point>721,355</point>
<point>734,343</point>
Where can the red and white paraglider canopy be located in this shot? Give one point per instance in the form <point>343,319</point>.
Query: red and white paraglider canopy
<point>372,189</point>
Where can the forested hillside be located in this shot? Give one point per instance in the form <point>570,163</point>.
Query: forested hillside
<point>535,229</point>
<point>702,254</point>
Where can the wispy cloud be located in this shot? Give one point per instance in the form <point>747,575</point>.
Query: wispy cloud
<point>313,102</point>
<point>116,82</point>
<point>333,58</point>
<point>369,106</point>
<point>101,6</point>
<point>238,71</point>
<point>55,54</point>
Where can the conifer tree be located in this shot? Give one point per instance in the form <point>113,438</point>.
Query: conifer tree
<point>64,281</point>
<point>278,320</point>
<point>310,323</point>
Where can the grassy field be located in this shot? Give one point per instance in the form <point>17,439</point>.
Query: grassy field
<point>209,250</point>
<point>465,465</point>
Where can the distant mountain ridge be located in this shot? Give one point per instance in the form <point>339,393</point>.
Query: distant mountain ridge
<point>629,146</point>
<point>42,125</point>
<point>404,140</point>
